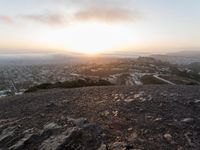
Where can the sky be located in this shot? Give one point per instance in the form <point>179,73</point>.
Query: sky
<point>99,26</point>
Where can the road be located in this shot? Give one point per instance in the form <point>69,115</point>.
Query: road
<point>164,80</point>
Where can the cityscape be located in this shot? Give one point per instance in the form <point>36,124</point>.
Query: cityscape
<point>14,80</point>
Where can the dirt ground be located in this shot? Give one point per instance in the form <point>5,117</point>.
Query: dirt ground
<point>150,117</point>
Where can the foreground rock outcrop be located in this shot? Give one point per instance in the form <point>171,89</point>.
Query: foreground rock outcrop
<point>102,118</point>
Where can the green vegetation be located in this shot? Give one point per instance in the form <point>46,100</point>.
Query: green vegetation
<point>2,87</point>
<point>104,72</point>
<point>179,80</point>
<point>149,79</point>
<point>185,74</point>
<point>195,67</point>
<point>70,84</point>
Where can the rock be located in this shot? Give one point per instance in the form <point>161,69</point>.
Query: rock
<point>129,129</point>
<point>62,117</point>
<point>129,100</point>
<point>157,119</point>
<point>142,99</point>
<point>51,105</point>
<point>121,96</point>
<point>197,101</point>
<point>105,113</point>
<point>5,120</point>
<point>30,140</point>
<point>53,142</point>
<point>187,136</point>
<point>77,138</point>
<point>102,147</point>
<point>51,125</point>
<point>180,148</point>
<point>103,134</point>
<point>168,137</point>
<point>100,102</point>
<point>133,136</point>
<point>20,144</point>
<point>148,117</point>
<point>171,94</point>
<point>128,147</point>
<point>164,94</point>
<point>78,122</point>
<point>187,120</point>
<point>149,98</point>
<point>87,136</point>
<point>66,101</point>
<point>137,95</point>
<point>115,113</point>
<point>42,115</point>
<point>117,146</point>
<point>6,133</point>
<point>116,97</point>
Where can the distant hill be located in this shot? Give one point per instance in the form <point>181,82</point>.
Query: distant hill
<point>50,58</point>
<point>195,67</point>
<point>193,54</point>
<point>36,59</point>
<point>184,57</point>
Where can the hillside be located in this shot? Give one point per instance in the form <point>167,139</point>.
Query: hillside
<point>181,57</point>
<point>100,118</point>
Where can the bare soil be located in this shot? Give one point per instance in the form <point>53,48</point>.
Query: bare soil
<point>150,117</point>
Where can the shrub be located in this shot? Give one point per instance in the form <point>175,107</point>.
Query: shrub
<point>70,84</point>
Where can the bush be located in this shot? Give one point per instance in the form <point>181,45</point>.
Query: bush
<point>70,84</point>
<point>148,79</point>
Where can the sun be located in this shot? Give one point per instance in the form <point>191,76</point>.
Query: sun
<point>95,38</point>
<point>90,38</point>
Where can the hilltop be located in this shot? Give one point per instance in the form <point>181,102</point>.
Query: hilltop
<point>111,117</point>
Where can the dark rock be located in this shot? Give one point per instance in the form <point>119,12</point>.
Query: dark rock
<point>78,122</point>
<point>102,147</point>
<point>86,138</point>
<point>50,105</point>
<point>168,137</point>
<point>187,120</point>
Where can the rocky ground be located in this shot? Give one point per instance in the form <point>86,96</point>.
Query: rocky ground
<point>103,118</point>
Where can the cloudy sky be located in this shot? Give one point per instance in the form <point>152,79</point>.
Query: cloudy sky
<point>95,26</point>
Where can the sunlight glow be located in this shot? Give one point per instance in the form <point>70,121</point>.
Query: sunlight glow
<point>94,38</point>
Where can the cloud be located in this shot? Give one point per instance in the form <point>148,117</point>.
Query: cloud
<point>6,19</point>
<point>95,2</point>
<point>51,19</point>
<point>105,14</point>
<point>109,11</point>
<point>102,10</point>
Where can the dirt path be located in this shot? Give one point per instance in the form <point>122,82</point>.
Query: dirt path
<point>164,80</point>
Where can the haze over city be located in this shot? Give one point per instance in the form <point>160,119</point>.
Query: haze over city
<point>99,26</point>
